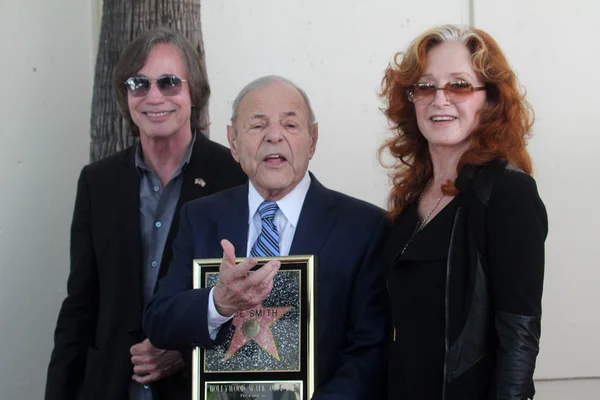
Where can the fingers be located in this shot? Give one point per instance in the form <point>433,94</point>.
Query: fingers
<point>135,349</point>
<point>228,254</point>
<point>142,348</point>
<point>144,368</point>
<point>258,285</point>
<point>147,370</point>
<point>146,361</point>
<point>264,287</point>
<point>241,270</point>
<point>269,278</point>
<point>264,272</point>
<point>238,290</point>
<point>146,379</point>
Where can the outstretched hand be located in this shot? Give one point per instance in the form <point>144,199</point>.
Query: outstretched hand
<point>238,290</point>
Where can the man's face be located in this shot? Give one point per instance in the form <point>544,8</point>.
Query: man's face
<point>272,140</point>
<point>159,116</point>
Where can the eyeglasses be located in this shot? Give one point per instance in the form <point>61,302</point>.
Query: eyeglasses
<point>455,92</point>
<point>168,85</point>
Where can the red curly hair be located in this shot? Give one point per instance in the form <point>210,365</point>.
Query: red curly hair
<point>504,123</point>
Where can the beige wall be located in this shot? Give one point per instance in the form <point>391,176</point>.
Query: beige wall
<point>552,47</point>
<point>569,389</point>
<point>46,69</point>
<point>337,51</point>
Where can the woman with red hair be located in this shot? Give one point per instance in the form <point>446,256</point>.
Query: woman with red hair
<point>464,262</point>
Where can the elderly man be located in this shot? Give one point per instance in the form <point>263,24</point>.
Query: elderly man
<point>125,219</point>
<point>283,211</point>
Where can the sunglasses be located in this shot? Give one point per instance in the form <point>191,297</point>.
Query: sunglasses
<point>168,85</point>
<point>456,92</point>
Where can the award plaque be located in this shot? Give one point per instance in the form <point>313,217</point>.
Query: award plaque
<point>268,351</point>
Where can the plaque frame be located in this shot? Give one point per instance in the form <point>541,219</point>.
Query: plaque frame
<point>305,265</point>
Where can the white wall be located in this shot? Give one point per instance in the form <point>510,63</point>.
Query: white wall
<point>576,389</point>
<point>337,50</point>
<point>46,69</point>
<point>556,57</point>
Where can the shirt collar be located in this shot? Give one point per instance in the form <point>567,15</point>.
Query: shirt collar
<point>142,166</point>
<point>290,205</point>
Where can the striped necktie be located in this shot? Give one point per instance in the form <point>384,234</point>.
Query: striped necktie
<point>267,243</point>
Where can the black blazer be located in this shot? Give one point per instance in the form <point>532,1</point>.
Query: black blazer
<point>100,319</point>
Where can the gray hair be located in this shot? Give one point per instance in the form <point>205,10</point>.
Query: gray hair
<point>452,33</point>
<point>263,82</point>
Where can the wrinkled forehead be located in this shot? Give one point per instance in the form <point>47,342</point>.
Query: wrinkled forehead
<point>277,100</point>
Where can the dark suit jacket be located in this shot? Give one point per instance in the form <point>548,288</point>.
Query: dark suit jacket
<point>344,233</point>
<point>100,319</point>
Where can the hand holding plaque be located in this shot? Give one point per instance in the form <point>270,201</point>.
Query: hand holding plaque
<point>237,290</point>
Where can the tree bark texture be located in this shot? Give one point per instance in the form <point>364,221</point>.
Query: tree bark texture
<point>122,21</point>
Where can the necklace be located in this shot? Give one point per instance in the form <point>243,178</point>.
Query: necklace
<point>420,225</point>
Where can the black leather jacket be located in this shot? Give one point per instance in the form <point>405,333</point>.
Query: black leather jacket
<point>493,287</point>
<point>503,344</point>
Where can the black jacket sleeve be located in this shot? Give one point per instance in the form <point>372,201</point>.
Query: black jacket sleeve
<point>516,229</point>
<point>78,315</point>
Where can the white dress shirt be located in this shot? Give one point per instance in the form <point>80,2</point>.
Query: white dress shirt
<point>286,221</point>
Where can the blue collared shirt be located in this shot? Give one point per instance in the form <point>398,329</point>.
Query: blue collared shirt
<point>157,210</point>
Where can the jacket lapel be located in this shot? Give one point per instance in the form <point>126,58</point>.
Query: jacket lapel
<point>232,223</point>
<point>316,220</point>
<point>197,173</point>
<point>194,185</point>
<point>129,231</point>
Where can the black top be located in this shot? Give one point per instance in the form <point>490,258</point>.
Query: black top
<point>416,286</point>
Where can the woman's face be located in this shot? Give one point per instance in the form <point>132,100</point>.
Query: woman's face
<point>447,120</point>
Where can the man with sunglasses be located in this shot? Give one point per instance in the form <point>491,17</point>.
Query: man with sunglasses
<point>125,219</point>
<point>283,211</point>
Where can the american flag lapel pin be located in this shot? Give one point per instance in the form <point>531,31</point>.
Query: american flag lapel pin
<point>199,181</point>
